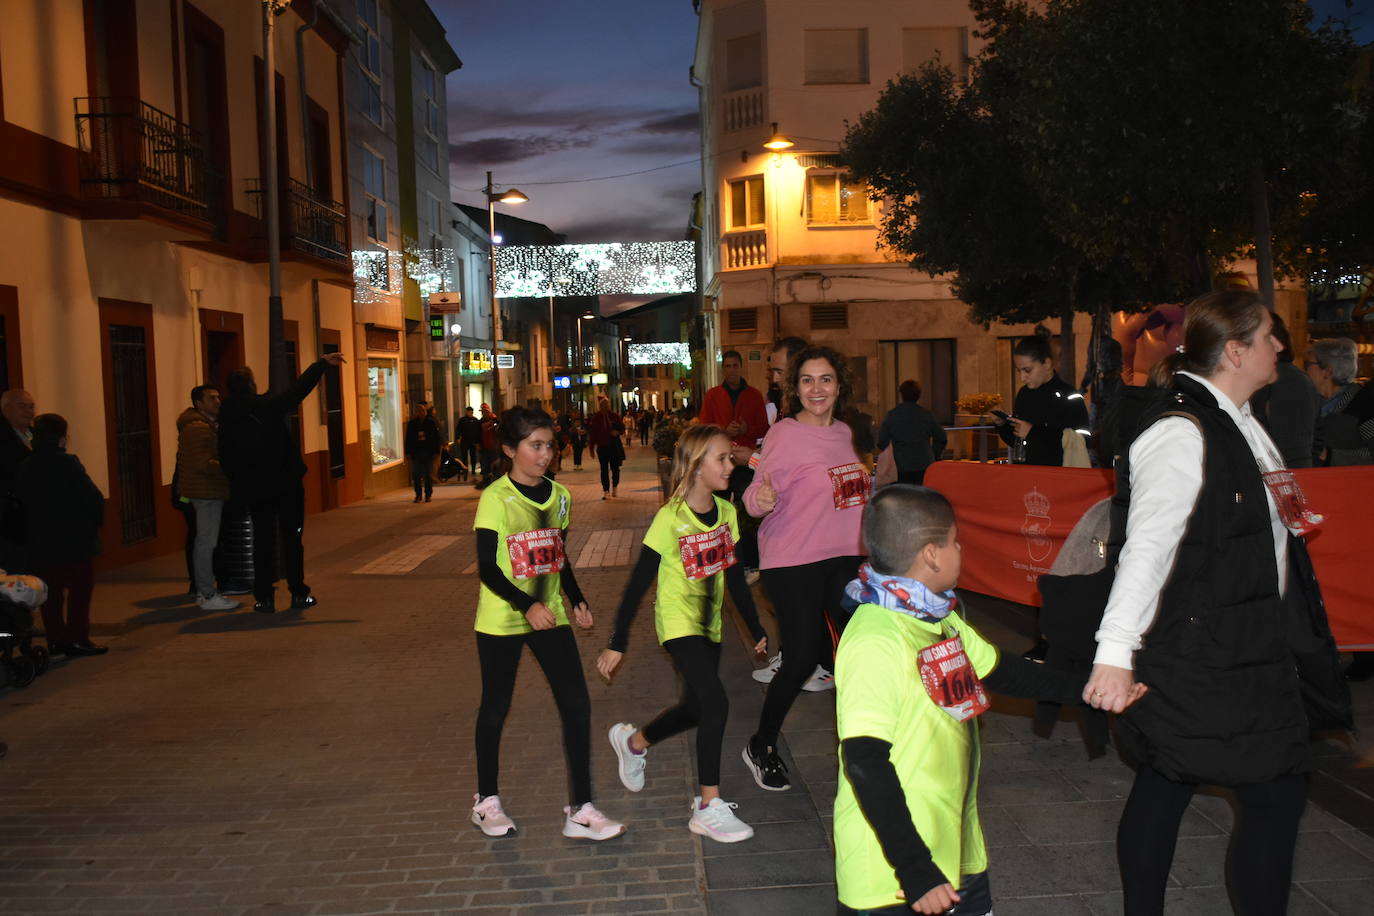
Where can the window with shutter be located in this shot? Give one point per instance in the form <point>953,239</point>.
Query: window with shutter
<point>742,320</point>
<point>829,317</point>
<point>836,56</point>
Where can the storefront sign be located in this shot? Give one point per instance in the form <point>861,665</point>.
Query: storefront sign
<point>476,360</point>
<point>562,381</point>
<point>505,361</point>
<point>383,339</point>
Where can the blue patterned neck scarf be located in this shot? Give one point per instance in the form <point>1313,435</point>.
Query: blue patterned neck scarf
<point>898,593</point>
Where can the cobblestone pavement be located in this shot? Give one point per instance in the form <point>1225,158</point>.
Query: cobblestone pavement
<point>322,762</point>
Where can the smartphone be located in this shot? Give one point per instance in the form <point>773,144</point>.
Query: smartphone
<point>1001,415</point>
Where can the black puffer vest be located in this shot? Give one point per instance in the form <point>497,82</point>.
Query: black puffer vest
<point>1225,706</point>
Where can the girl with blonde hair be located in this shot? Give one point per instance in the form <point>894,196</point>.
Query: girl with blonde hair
<point>690,551</point>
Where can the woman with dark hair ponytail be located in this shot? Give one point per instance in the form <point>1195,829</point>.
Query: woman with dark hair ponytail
<point>1045,406</point>
<point>1212,580</point>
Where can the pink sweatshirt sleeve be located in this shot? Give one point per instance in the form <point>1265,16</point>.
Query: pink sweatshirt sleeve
<point>751,492</point>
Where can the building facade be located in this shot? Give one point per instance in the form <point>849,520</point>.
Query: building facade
<point>790,242</point>
<point>135,246</point>
<point>400,214</point>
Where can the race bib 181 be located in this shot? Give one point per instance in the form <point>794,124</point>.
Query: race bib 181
<point>949,679</point>
<point>535,553</point>
<point>707,553</point>
<point>849,484</point>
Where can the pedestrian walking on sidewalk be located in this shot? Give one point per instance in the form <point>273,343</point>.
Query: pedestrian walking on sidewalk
<point>612,456</point>
<point>912,677</point>
<point>689,551</point>
<point>469,430</point>
<point>522,526</point>
<point>1212,586</point>
<point>62,511</point>
<point>421,448</point>
<point>810,489</point>
<point>600,429</point>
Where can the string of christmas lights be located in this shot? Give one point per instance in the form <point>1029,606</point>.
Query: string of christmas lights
<point>659,354</point>
<point>607,269</point>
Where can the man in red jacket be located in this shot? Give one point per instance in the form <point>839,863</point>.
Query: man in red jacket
<point>738,408</point>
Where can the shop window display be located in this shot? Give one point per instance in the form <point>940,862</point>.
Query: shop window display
<point>384,398</point>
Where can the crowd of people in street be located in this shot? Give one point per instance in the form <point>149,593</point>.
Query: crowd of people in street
<point>784,487</point>
<point>861,577</point>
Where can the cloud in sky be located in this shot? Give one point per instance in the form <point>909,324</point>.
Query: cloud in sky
<point>593,88</point>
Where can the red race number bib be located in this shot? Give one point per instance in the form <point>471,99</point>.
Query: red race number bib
<point>950,680</point>
<point>849,484</point>
<point>1296,515</point>
<point>535,553</point>
<point>707,553</point>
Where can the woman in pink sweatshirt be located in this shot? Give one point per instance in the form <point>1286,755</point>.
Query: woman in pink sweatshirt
<point>810,489</point>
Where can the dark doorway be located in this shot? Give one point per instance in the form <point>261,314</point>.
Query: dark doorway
<point>131,414</point>
<point>11,366</point>
<point>930,362</point>
<point>333,405</point>
<point>221,346</point>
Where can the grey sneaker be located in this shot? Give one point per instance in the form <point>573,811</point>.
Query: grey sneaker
<point>766,674</point>
<point>631,764</point>
<point>216,602</point>
<point>717,821</point>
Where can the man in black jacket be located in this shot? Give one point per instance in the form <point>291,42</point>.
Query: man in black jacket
<point>421,448</point>
<point>262,459</point>
<point>469,434</point>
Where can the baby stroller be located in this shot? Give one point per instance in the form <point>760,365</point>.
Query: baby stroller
<point>20,660</point>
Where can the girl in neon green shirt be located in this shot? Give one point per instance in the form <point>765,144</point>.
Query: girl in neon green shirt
<point>522,526</point>
<point>689,549</point>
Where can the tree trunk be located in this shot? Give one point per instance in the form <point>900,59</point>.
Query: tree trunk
<point>1264,249</point>
<point>1068,365</point>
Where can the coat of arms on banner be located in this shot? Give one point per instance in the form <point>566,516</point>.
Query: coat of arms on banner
<point>1036,526</point>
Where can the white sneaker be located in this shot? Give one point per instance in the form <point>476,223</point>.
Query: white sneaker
<point>765,674</point>
<point>587,823</point>
<point>820,680</point>
<point>487,814</point>
<point>717,821</point>
<point>631,764</point>
<point>216,602</point>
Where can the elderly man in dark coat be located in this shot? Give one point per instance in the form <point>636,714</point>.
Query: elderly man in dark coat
<point>262,459</point>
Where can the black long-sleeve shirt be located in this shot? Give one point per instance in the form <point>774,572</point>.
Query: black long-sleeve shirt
<point>868,766</point>
<point>490,572</point>
<point>1050,409</point>
<point>645,573</point>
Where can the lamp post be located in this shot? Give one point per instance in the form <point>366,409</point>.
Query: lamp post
<point>582,357</point>
<point>278,376</point>
<point>508,196</point>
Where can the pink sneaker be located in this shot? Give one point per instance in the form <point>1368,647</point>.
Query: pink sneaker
<point>487,814</point>
<point>587,823</point>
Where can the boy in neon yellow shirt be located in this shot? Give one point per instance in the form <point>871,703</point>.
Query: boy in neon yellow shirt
<point>910,674</point>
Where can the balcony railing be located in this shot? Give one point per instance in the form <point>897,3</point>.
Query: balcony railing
<point>744,249</point>
<point>310,223</point>
<point>133,151</point>
<point>742,109</point>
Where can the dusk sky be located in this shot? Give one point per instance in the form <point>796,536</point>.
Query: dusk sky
<point>552,90</point>
<point>573,89</point>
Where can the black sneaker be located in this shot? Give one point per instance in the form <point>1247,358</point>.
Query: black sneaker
<point>301,602</point>
<point>769,771</point>
<point>265,607</point>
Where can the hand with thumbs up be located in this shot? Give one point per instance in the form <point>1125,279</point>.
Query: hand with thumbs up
<point>767,497</point>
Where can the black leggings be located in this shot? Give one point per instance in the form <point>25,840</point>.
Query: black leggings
<point>1259,863</point>
<point>703,704</point>
<point>803,598</point>
<point>556,652</point>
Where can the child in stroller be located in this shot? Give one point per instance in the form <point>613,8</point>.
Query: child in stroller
<point>20,660</point>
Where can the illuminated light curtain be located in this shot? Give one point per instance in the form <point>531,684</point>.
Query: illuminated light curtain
<point>609,269</point>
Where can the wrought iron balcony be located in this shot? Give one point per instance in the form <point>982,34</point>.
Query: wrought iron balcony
<point>310,223</point>
<point>132,151</point>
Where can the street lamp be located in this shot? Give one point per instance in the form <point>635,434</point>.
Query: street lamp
<point>777,142</point>
<point>508,196</point>
<point>582,356</point>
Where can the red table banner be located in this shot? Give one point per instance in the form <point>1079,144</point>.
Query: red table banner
<point>1013,518</point>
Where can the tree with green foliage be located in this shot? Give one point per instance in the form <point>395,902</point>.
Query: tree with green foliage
<point>1107,154</point>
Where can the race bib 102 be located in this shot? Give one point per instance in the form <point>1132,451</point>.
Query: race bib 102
<point>849,485</point>
<point>707,553</point>
<point>535,553</point>
<point>949,679</point>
